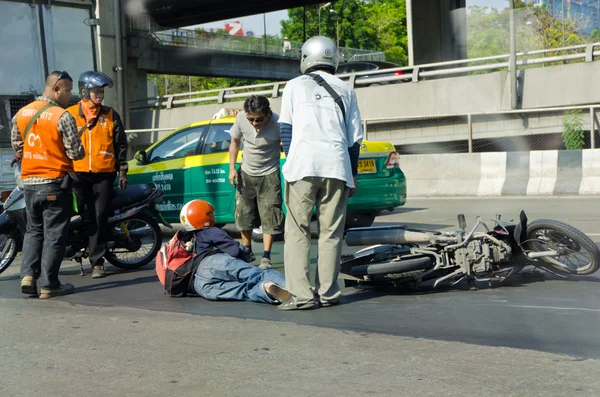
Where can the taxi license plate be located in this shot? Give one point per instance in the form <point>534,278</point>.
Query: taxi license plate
<point>366,167</point>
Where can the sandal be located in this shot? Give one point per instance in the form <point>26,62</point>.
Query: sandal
<point>291,305</point>
<point>330,303</point>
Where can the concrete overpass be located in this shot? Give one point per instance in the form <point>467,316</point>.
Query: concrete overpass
<point>190,53</point>
<point>436,33</point>
<point>436,28</point>
<point>180,13</point>
<point>109,49</point>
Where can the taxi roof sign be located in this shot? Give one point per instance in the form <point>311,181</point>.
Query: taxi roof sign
<point>226,112</point>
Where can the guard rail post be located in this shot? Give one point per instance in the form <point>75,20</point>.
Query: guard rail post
<point>592,128</point>
<point>470,129</point>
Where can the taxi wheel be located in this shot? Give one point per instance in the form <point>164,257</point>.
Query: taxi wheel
<point>360,219</point>
<point>257,235</point>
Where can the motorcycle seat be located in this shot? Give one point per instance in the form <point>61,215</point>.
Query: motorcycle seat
<point>132,195</point>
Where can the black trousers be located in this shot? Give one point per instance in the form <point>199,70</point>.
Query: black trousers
<point>94,192</point>
<point>48,212</point>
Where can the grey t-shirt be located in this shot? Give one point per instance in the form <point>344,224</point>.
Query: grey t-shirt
<point>262,150</point>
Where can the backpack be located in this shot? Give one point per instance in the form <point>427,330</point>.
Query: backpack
<point>175,265</point>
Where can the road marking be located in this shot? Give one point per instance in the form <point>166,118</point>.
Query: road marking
<point>593,234</point>
<point>407,211</point>
<point>552,308</point>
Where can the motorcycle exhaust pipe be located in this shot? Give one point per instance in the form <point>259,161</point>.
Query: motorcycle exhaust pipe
<point>541,254</point>
<point>384,235</point>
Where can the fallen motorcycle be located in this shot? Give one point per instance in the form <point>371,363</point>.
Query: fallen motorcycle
<point>481,257</point>
<point>134,235</point>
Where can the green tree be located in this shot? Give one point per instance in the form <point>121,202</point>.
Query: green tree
<point>573,133</point>
<point>536,29</point>
<point>181,84</point>
<point>378,25</point>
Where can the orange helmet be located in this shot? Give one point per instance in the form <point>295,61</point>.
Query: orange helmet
<point>197,214</point>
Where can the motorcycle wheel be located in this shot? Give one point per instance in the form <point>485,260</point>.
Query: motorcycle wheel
<point>8,251</point>
<point>402,266</point>
<point>144,228</point>
<point>581,255</point>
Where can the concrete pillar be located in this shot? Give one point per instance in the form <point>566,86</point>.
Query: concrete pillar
<point>106,45</point>
<point>437,30</point>
<point>137,80</point>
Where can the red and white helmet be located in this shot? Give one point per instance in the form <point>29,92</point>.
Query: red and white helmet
<point>197,214</point>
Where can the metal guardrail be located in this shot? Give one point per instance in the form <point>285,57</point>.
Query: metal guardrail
<point>255,45</point>
<point>416,73</point>
<point>503,131</point>
<point>219,41</point>
<point>510,130</point>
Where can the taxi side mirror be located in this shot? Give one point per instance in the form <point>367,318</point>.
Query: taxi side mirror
<point>140,156</point>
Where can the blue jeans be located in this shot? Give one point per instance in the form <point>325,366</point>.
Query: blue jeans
<point>223,277</point>
<point>49,210</point>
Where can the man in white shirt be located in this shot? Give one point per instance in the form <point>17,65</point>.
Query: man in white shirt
<point>287,46</point>
<point>321,132</point>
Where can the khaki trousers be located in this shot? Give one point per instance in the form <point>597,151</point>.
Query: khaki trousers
<point>330,197</point>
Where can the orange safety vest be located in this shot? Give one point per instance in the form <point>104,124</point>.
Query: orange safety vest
<point>44,153</point>
<point>98,142</point>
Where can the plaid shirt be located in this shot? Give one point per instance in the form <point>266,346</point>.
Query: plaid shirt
<point>66,126</point>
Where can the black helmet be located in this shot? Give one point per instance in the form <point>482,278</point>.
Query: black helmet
<point>91,79</point>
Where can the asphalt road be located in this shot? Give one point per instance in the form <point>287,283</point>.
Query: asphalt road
<point>545,314</point>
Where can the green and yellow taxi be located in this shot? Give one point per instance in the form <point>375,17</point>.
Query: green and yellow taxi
<point>193,163</point>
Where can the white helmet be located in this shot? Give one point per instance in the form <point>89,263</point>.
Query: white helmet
<point>317,52</point>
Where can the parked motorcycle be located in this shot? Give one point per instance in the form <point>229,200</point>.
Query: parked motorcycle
<point>134,236</point>
<point>483,257</point>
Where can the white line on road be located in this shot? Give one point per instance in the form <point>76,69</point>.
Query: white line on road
<point>552,308</point>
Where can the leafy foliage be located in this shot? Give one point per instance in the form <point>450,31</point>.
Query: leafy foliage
<point>378,25</point>
<point>573,133</point>
<point>536,29</point>
<point>179,84</point>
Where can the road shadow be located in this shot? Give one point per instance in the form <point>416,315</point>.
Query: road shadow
<point>415,225</point>
<point>112,283</point>
<point>523,278</point>
<point>402,210</point>
<point>70,272</point>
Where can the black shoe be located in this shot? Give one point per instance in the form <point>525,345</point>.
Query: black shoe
<point>249,256</point>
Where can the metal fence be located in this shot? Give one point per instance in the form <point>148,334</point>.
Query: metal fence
<point>219,41</point>
<point>269,46</point>
<point>572,54</point>
<point>522,130</point>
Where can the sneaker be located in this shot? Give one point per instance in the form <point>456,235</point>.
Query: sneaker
<point>64,289</point>
<point>98,271</point>
<point>265,263</point>
<point>276,292</point>
<point>29,285</point>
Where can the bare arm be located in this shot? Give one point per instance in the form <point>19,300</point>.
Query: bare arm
<point>234,149</point>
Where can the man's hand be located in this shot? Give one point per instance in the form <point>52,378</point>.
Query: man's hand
<point>122,181</point>
<point>353,190</point>
<point>16,159</point>
<point>233,177</point>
